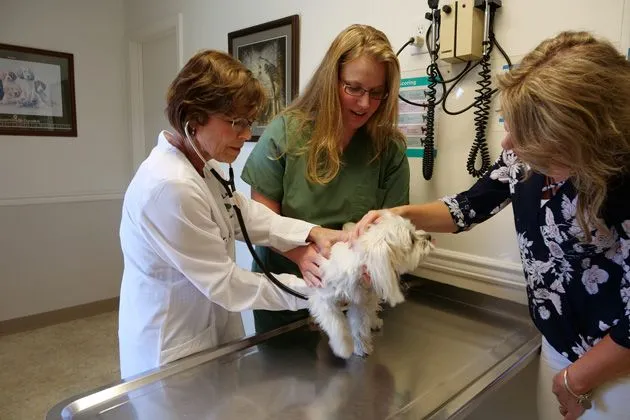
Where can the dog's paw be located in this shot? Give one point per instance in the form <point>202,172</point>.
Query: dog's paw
<point>376,323</point>
<point>363,347</point>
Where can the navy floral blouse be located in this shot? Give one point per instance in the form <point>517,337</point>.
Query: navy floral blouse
<point>578,293</point>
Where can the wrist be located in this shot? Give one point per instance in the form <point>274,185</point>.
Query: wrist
<point>577,381</point>
<point>400,211</point>
<point>292,254</point>
<point>578,391</point>
<point>312,234</point>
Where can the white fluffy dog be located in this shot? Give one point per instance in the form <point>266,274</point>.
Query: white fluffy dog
<point>386,250</point>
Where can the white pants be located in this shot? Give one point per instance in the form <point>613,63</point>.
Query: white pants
<point>611,401</point>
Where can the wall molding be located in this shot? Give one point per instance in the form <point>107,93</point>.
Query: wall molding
<point>503,279</point>
<point>31,322</point>
<point>62,198</point>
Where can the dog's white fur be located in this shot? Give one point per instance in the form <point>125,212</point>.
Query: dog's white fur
<point>386,250</point>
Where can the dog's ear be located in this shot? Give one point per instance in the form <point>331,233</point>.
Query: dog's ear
<point>425,241</point>
<point>422,235</point>
<point>382,274</point>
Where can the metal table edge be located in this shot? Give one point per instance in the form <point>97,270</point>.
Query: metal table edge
<point>76,403</point>
<point>460,405</point>
<point>463,403</point>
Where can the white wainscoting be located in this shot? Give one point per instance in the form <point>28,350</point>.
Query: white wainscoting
<point>503,279</point>
<point>62,198</point>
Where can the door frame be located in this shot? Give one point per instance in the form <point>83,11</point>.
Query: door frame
<point>625,30</point>
<point>146,34</point>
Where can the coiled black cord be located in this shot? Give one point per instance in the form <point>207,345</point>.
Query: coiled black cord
<point>429,135</point>
<point>481,103</point>
<point>482,114</point>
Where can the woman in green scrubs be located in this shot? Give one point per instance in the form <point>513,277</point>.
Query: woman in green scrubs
<point>334,154</point>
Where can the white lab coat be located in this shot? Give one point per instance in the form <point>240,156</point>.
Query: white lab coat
<point>181,288</point>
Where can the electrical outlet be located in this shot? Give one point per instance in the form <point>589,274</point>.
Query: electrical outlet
<point>419,35</point>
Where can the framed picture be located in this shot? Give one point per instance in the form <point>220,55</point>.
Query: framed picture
<point>36,92</point>
<point>271,51</point>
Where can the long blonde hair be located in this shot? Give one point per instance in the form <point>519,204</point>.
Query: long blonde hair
<point>568,105</point>
<point>319,105</point>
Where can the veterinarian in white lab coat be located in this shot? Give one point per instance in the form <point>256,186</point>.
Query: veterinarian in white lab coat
<point>181,289</point>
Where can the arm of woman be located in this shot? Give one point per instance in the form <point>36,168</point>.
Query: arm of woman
<point>430,217</point>
<point>610,358</point>
<point>305,257</point>
<point>292,254</point>
<point>177,221</point>
<point>268,202</point>
<point>395,177</point>
<point>604,362</point>
<point>264,172</point>
<point>267,228</point>
<point>460,212</point>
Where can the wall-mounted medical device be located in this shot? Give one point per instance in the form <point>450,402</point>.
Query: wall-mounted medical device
<point>461,32</point>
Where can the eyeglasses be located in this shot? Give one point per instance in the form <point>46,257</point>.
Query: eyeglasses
<point>239,125</point>
<point>358,91</point>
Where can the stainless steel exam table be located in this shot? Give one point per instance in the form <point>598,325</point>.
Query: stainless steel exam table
<point>436,357</point>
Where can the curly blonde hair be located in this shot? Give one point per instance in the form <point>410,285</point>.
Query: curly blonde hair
<point>319,105</point>
<point>213,82</point>
<point>568,106</point>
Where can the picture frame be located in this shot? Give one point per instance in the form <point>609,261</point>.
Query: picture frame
<point>271,51</point>
<point>37,95</point>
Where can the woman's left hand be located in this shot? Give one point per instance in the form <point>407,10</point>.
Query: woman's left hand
<point>569,406</point>
<point>326,238</point>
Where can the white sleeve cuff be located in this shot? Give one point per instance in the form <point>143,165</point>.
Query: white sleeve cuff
<point>287,233</point>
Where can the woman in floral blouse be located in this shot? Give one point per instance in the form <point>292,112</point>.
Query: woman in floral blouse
<point>566,170</point>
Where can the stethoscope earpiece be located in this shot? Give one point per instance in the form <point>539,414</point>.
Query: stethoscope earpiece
<point>186,129</point>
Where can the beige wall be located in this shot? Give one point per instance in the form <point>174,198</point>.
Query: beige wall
<point>58,255</point>
<point>60,197</point>
<point>206,24</point>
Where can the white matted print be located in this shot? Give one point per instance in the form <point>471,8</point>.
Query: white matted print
<point>30,88</point>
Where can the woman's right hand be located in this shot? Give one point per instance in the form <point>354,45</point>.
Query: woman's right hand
<point>308,260</point>
<point>370,217</point>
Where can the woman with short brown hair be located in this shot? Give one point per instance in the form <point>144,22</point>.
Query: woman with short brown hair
<point>181,289</point>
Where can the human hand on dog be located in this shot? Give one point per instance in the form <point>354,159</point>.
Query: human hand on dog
<point>370,217</point>
<point>324,239</point>
<point>307,259</point>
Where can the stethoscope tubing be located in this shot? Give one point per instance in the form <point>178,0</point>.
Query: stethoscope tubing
<point>230,189</point>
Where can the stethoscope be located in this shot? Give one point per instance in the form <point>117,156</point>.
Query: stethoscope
<point>230,189</point>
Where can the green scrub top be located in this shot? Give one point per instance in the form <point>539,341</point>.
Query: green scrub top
<point>360,185</point>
